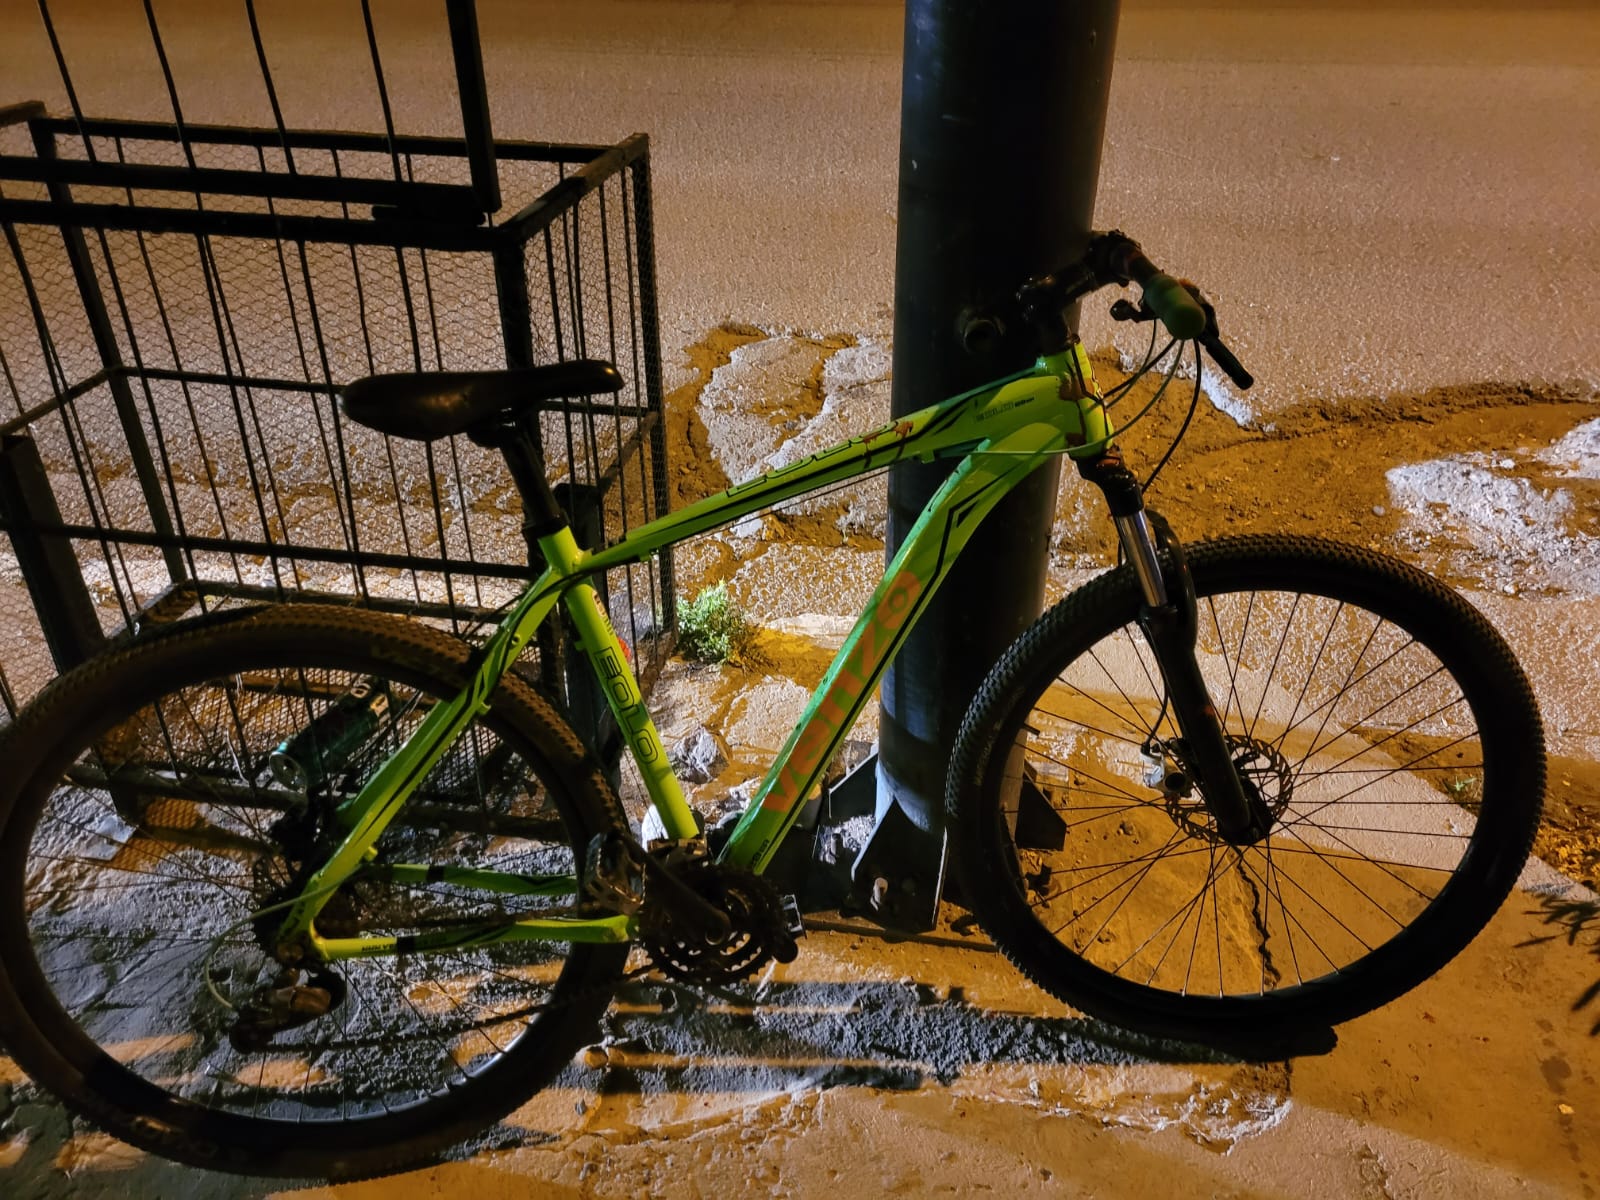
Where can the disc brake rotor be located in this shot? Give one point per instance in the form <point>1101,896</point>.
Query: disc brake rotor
<point>1265,773</point>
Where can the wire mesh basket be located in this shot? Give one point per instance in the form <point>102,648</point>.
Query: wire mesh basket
<point>179,304</point>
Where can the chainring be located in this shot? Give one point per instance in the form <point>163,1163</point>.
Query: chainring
<point>759,930</point>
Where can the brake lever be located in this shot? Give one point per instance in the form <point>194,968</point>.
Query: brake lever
<point>1211,339</point>
<point>1210,332</point>
<point>1127,310</point>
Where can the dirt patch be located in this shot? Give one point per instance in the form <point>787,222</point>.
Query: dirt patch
<point>696,473</point>
<point>1322,468</point>
<point>758,399</point>
<point>1569,834</point>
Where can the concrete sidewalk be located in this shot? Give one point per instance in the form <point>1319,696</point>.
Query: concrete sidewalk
<point>871,1067</point>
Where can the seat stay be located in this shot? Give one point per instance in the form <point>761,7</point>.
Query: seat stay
<point>368,813</point>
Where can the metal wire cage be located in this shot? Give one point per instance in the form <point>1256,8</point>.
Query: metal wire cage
<point>178,306</point>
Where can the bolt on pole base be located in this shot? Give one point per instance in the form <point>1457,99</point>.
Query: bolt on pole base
<point>899,874</point>
<point>883,879</point>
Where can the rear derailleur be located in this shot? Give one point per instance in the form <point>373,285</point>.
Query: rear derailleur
<point>289,991</point>
<point>701,921</point>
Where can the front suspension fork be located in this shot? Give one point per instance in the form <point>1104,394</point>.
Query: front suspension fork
<point>1169,618</point>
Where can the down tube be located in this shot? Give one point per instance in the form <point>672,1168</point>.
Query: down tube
<point>929,551</point>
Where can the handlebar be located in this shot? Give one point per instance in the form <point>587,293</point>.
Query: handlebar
<point>1117,258</point>
<point>1112,258</point>
<point>1170,301</point>
<point>1231,366</point>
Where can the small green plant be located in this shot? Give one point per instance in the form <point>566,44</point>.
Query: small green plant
<point>1467,791</point>
<point>712,628</point>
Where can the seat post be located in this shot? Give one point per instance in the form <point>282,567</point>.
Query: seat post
<point>541,515</point>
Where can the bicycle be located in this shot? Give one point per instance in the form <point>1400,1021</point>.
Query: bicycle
<point>308,890</point>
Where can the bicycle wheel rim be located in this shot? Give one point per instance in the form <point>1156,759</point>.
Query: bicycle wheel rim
<point>325,1093</point>
<point>1402,806</point>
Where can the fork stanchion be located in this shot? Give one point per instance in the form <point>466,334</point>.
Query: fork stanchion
<point>1002,117</point>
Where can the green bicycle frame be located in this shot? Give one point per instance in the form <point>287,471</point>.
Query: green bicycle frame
<point>1002,431</point>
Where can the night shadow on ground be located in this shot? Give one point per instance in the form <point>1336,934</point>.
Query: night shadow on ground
<point>1577,923</point>
<point>665,1039</point>
<point>670,1042</point>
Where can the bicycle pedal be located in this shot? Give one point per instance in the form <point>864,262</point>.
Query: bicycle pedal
<point>793,926</point>
<point>612,880</point>
<point>653,830</point>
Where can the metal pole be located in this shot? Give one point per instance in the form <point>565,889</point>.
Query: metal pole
<point>49,567</point>
<point>467,51</point>
<point>1003,112</point>
<point>650,327</point>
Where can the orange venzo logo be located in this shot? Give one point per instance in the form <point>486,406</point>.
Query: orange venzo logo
<point>840,700</point>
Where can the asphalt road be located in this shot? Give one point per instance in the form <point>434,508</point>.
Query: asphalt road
<point>1379,200</point>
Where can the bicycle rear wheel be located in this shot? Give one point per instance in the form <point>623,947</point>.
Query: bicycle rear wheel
<point>148,831</point>
<point>1384,724</point>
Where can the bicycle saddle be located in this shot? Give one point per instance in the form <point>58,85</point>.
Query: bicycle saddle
<point>436,404</point>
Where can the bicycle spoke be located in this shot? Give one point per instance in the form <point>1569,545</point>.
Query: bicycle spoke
<point>1200,914</point>
<point>1132,884</point>
<point>1288,917</point>
<point>1110,678</point>
<point>185,871</point>
<point>1400,733</point>
<point>1356,856</point>
<point>1344,796</point>
<point>1180,916</point>
<point>1461,837</point>
<point>1353,733</point>
<point>1238,659</point>
<point>1272,670</point>
<point>1114,789</point>
<point>1291,922</point>
<point>1065,719</point>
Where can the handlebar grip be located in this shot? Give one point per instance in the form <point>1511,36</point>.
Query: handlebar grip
<point>1171,301</point>
<point>1231,366</point>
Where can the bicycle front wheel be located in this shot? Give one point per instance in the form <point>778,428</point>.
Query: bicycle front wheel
<point>162,802</point>
<point>1385,726</point>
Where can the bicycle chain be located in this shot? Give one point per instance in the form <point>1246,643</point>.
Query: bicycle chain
<point>762,929</point>
<point>769,933</point>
